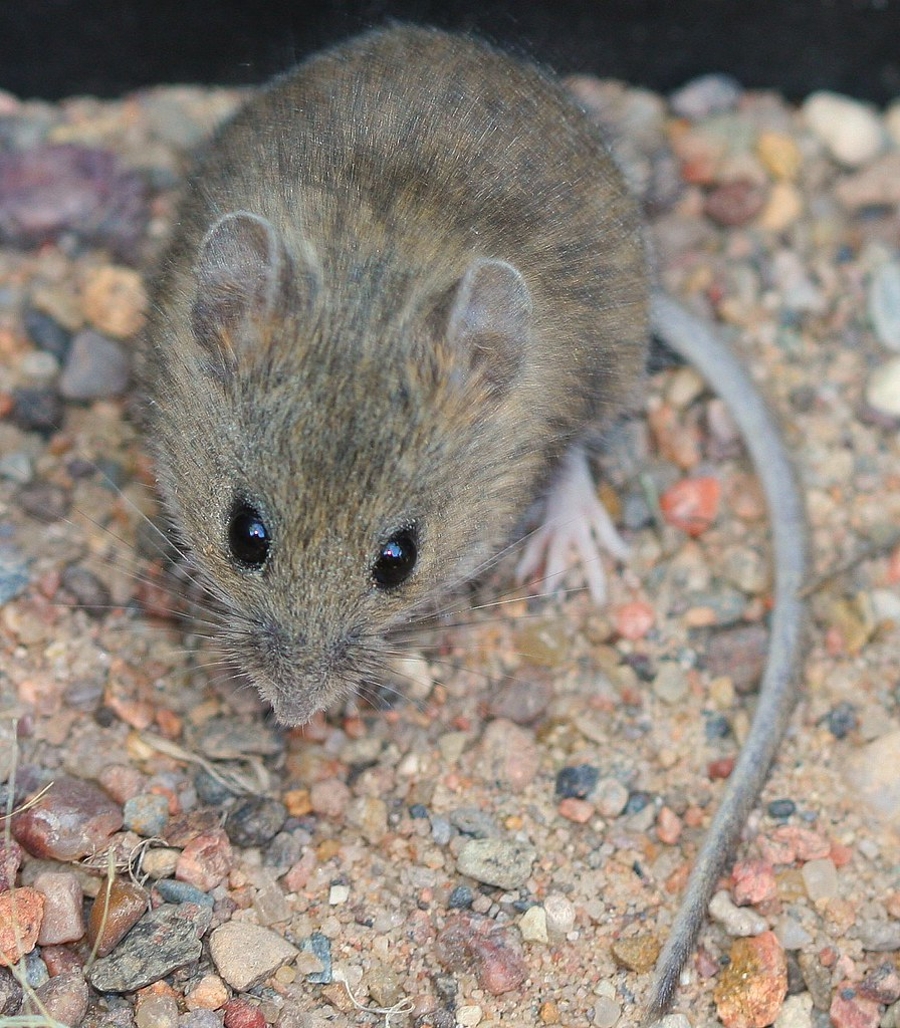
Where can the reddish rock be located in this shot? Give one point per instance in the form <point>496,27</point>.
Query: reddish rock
<point>330,797</point>
<point>61,960</point>
<point>735,203</point>
<point>63,999</point>
<point>788,844</point>
<point>241,1014</point>
<point>510,754</point>
<point>754,882</point>
<point>206,860</point>
<point>73,819</point>
<point>753,986</point>
<point>576,810</point>
<point>692,504</point>
<point>63,900</point>
<point>471,943</point>
<point>881,985</point>
<point>668,826</point>
<point>21,913</point>
<point>113,917</point>
<point>10,861</point>
<point>633,620</point>
<point>851,1010</point>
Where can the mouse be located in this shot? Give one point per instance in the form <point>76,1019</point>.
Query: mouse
<point>407,290</point>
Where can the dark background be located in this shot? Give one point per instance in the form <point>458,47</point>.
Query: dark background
<point>54,48</point>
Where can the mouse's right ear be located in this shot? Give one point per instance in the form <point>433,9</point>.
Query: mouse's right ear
<point>244,273</point>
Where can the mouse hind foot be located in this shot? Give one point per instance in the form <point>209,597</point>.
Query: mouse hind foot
<point>574,522</point>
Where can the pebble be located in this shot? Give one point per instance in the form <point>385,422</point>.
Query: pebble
<point>509,754</point>
<point>780,154</point>
<point>637,953</point>
<point>115,913</point>
<point>173,891</point>
<point>560,913</point>
<point>10,850</point>
<point>533,925</point>
<point>692,504</point>
<point>113,300</point>
<point>739,922</point>
<point>146,814</point>
<point>469,1016</point>
<point>735,203</point>
<point>791,934</point>
<point>210,993</point>
<point>55,188</point>
<point>14,579</point>
<point>21,913</point>
<point>610,797</point>
<point>224,738</point>
<point>883,388</point>
<point>884,304</point>
<point>796,1012</point>
<point>881,985</point>
<point>876,185</point>
<point>668,826</point>
<point>752,988</point>
<point>45,501</point>
<point>471,943</point>
<point>200,1019</point>
<point>461,897</point>
<point>63,919</point>
<point>633,620</point>
<point>870,772</point>
<point>63,999</point>
<point>879,936</point>
<point>753,882</point>
<point>577,811</point>
<point>607,1012</point>
<point>891,1018</point>
<point>160,862</point>
<point>850,1010</point>
<point>670,683</point>
<point>255,821</point>
<point>369,815</point>
<point>206,860</point>
<point>329,797</point>
<point>820,879</point>
<point>241,1014</point>
<point>576,782</point>
<point>156,1011</point>
<point>87,591</point>
<point>97,368</point>
<point>474,822</point>
<point>162,941</point>
<point>37,409</point>
<point>498,862</point>
<point>522,701</point>
<point>706,95</point>
<point>245,954</point>
<point>850,130</point>
<point>739,653</point>
<point>17,468</point>
<point>46,333</point>
<point>73,819</point>
<point>10,994</point>
<point>319,947</point>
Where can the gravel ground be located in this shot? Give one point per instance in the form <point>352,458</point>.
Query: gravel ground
<point>503,839</point>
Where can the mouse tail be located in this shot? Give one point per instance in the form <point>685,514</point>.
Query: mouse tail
<point>692,339</point>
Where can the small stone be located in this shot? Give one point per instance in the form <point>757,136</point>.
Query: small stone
<point>37,409</point>
<point>329,798</point>
<point>754,882</point>
<point>820,879</point>
<point>796,1012</point>
<point>46,333</point>
<point>246,954</point>
<point>88,592</point>
<point>884,304</point>
<point>97,368</point>
<point>668,826</point>
<point>114,914</point>
<point>739,922</point>
<point>45,501</point>
<point>881,985</point>
<point>607,1013</point>
<point>560,913</point>
<point>611,797</point>
<point>73,819</point>
<point>209,993</point>
<point>498,862</point>
<point>779,154</point>
<point>522,701</point>
<point>63,899</point>
<point>637,953</point>
<point>146,814</point>
<point>577,781</point>
<point>782,208</point>
<point>162,941</point>
<point>160,862</point>
<point>791,934</point>
<point>64,999</point>
<point>850,1010</point>
<point>692,504</point>
<point>255,821</point>
<point>871,773</point>
<point>114,300</point>
<point>461,897</point>
<point>670,683</point>
<point>715,93</point>
<point>474,822</point>
<point>470,943</point>
<point>879,936</point>
<point>883,388</point>
<point>370,815</point>
<point>469,1016</point>
<point>753,986</point>
<point>735,203</point>
<point>156,1011</point>
<point>318,948</point>
<point>241,1014</point>
<point>200,1019</point>
<point>14,579</point>
<point>510,754</point>
<point>579,812</point>
<point>173,891</point>
<point>876,185</point>
<point>740,653</point>
<point>745,568</point>
<point>10,850</point>
<point>533,925</point>
<point>633,620</point>
<point>850,130</point>
<point>17,468</point>
<point>21,913</point>
<point>10,994</point>
<point>206,860</point>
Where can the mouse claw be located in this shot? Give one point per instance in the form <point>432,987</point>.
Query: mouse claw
<point>574,519</point>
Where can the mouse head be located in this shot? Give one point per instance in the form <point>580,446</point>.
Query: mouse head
<point>334,467</point>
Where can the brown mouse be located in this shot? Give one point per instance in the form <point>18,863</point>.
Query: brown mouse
<point>407,285</point>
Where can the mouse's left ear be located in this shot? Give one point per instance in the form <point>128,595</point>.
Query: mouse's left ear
<point>244,271</point>
<point>490,319</point>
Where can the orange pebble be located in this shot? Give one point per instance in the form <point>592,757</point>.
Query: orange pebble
<point>692,504</point>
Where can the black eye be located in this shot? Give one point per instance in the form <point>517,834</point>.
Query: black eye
<point>397,559</point>
<point>248,536</point>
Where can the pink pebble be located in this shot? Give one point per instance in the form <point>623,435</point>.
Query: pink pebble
<point>21,913</point>
<point>241,1014</point>
<point>73,819</point>
<point>754,882</point>
<point>63,900</point>
<point>692,504</point>
<point>206,860</point>
<point>634,620</point>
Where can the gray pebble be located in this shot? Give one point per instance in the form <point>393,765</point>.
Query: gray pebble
<point>884,304</point>
<point>13,574</point>
<point>63,998</point>
<point>89,593</point>
<point>255,821</point>
<point>474,822</point>
<point>173,891</point>
<point>45,501</point>
<point>47,334</point>
<point>96,368</point>
<point>705,95</point>
<point>37,409</point>
<point>497,862</point>
<point>441,830</point>
<point>10,994</point>
<point>879,936</point>
<point>201,1019</point>
<point>17,467</point>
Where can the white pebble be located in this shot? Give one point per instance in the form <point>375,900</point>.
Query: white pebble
<point>892,122</point>
<point>705,95</point>
<point>820,879</point>
<point>791,934</point>
<point>737,921</point>
<point>883,388</point>
<point>850,130</point>
<point>533,925</point>
<point>560,913</point>
<point>606,1012</point>
<point>885,606</point>
<point>796,1012</point>
<point>884,304</point>
<point>338,894</point>
<point>469,1016</point>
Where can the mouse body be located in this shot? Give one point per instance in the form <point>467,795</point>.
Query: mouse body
<point>408,284</point>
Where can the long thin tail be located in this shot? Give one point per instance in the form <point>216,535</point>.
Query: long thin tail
<point>693,340</point>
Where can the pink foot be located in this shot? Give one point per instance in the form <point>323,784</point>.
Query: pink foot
<point>574,520</point>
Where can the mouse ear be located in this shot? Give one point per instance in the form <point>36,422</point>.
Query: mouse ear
<point>243,271</point>
<point>490,319</point>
